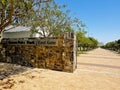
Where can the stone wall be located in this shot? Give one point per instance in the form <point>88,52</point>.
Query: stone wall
<point>57,54</point>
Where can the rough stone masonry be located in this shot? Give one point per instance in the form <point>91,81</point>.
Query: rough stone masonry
<point>56,53</point>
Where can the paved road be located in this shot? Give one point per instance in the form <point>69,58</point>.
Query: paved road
<point>101,69</point>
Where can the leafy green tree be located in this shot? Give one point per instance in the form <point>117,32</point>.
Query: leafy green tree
<point>80,34</point>
<point>50,20</point>
<point>93,41</point>
<point>12,10</point>
<point>16,11</point>
<point>115,45</point>
<point>85,43</point>
<point>118,45</point>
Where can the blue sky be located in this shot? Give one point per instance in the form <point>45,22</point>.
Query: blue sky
<point>102,17</point>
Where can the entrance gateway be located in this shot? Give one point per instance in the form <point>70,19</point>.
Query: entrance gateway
<point>56,53</point>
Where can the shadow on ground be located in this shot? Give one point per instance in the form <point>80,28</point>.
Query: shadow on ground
<point>6,70</point>
<point>99,65</point>
<point>104,57</point>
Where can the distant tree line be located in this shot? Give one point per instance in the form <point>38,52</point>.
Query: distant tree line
<point>115,46</point>
<point>85,43</point>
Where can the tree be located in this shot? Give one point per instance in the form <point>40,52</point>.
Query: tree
<point>50,20</point>
<point>12,10</point>
<point>15,11</point>
<point>114,45</point>
<point>81,38</point>
<point>85,43</point>
<point>93,41</point>
<point>118,45</point>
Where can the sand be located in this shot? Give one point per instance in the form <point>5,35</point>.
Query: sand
<point>98,69</point>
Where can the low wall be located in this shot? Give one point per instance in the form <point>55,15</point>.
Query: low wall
<point>55,54</point>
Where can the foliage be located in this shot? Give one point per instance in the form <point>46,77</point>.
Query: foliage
<point>85,43</point>
<point>46,19</point>
<point>13,11</point>
<point>93,42</point>
<point>51,20</point>
<point>115,45</point>
<point>16,12</point>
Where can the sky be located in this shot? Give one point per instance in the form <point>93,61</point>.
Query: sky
<point>102,17</point>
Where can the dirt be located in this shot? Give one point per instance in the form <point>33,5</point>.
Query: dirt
<point>7,70</point>
<point>98,69</point>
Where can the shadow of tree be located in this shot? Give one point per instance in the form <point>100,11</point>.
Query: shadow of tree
<point>6,70</point>
<point>104,57</point>
<point>99,65</point>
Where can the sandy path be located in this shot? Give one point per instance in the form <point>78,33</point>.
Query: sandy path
<point>97,70</point>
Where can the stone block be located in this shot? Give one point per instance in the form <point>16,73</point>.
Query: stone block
<point>57,57</point>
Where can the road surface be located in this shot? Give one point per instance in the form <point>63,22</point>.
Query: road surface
<point>100,70</point>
